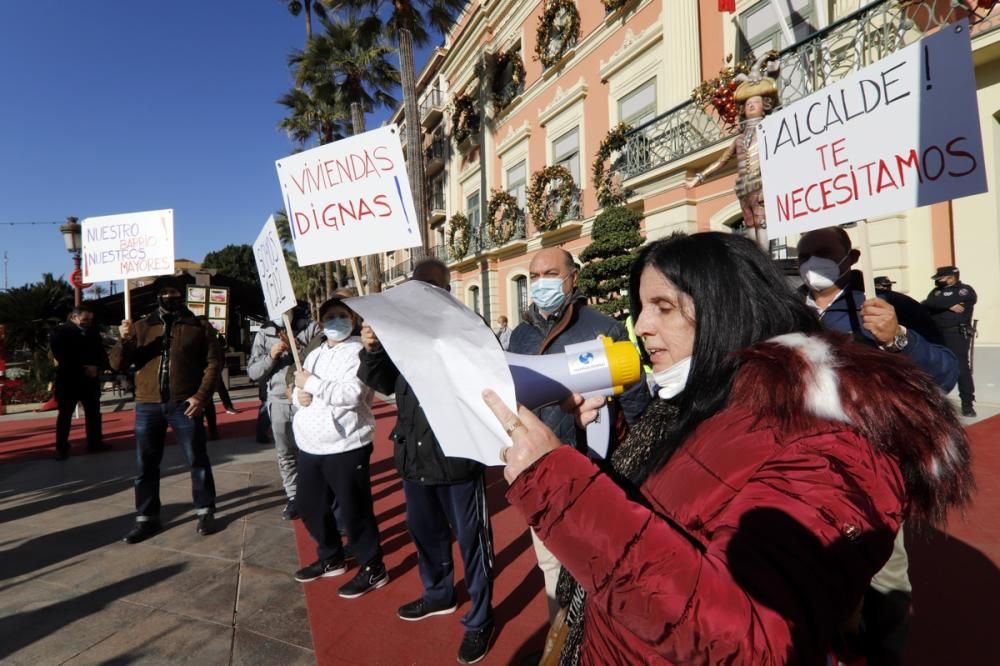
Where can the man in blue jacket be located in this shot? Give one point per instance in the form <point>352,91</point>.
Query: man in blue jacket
<point>825,260</point>
<point>559,316</point>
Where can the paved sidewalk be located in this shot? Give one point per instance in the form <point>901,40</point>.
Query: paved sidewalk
<point>72,593</point>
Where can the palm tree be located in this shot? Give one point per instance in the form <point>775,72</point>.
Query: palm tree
<point>308,7</point>
<point>349,62</point>
<point>31,312</point>
<point>408,21</point>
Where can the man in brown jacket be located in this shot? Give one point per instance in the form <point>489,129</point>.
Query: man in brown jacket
<point>176,360</point>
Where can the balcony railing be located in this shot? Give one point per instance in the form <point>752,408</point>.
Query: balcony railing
<point>404,268</point>
<point>436,155</point>
<point>850,43</point>
<point>431,107</point>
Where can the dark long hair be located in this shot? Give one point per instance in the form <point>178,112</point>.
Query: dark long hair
<point>740,298</point>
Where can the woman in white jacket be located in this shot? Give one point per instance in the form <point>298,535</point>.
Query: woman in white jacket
<point>333,429</point>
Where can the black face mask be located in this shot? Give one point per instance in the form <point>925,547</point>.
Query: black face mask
<point>941,283</point>
<point>171,304</point>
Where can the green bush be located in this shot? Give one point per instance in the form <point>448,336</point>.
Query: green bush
<point>604,277</point>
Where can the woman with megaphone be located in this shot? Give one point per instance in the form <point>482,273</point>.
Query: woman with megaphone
<point>744,515</point>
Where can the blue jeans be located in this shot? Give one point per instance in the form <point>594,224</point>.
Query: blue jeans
<point>151,420</point>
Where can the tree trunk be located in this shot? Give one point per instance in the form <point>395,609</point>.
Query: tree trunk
<point>373,269</point>
<point>414,133</point>
<point>307,10</point>
<point>328,282</point>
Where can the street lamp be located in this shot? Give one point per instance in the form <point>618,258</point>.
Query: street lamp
<point>72,236</point>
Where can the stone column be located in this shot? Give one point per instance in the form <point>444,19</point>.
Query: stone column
<point>681,50</point>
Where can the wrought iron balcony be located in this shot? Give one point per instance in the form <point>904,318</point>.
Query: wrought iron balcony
<point>828,55</point>
<point>431,108</point>
<point>435,155</point>
<point>404,268</point>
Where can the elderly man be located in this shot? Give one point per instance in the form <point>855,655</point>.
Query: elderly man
<point>79,353</point>
<point>176,360</point>
<point>558,316</point>
<point>825,260</point>
<point>444,497</point>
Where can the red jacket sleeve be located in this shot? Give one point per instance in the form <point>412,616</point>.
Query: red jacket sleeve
<point>784,563</point>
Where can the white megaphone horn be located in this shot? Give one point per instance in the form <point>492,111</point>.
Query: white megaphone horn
<point>600,367</point>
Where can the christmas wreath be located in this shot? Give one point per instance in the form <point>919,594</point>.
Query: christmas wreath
<point>507,81</point>
<point>458,235</point>
<point>550,197</point>
<point>719,92</point>
<point>613,5</point>
<point>608,192</point>
<point>464,118</point>
<point>558,31</point>
<point>501,216</point>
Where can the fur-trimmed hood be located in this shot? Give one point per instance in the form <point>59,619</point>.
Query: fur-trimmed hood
<point>797,378</point>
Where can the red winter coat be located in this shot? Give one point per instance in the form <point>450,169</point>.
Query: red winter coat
<point>764,528</point>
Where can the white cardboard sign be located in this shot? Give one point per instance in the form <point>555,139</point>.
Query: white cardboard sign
<point>349,198</point>
<point>130,245</point>
<point>896,135</point>
<point>274,279</point>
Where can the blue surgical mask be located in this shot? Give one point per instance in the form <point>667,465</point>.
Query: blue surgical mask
<point>548,294</point>
<point>338,329</point>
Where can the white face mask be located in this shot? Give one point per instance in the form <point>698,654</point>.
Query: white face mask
<point>819,273</point>
<point>673,380</point>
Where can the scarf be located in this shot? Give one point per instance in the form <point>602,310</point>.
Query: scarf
<point>628,467</point>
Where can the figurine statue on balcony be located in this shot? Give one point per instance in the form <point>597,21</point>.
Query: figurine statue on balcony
<point>756,96</point>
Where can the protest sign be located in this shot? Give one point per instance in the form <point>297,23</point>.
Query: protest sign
<point>274,279</point>
<point>349,198</point>
<point>899,134</point>
<point>448,355</point>
<point>131,245</point>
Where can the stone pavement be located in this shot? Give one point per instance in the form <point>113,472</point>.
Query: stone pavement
<point>72,593</point>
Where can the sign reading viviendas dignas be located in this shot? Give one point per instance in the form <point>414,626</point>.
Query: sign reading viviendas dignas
<point>349,198</point>
<point>126,246</point>
<point>274,278</point>
<point>898,134</point>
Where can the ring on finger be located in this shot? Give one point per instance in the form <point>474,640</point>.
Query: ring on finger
<point>503,453</point>
<point>513,426</point>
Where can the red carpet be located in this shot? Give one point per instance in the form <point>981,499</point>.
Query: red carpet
<point>366,631</point>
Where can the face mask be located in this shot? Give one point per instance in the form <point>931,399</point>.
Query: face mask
<point>338,329</point>
<point>171,304</point>
<point>548,294</point>
<point>819,273</point>
<point>941,283</point>
<point>673,380</point>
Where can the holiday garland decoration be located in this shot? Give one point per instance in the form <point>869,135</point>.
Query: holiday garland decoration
<point>459,235</point>
<point>719,92</point>
<point>609,193</point>
<point>505,87</point>
<point>501,216</point>
<point>559,27</point>
<point>464,117</point>
<point>551,187</point>
<point>614,5</point>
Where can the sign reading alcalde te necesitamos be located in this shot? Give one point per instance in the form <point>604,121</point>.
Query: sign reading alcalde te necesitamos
<point>349,198</point>
<point>896,135</point>
<point>130,245</point>
<point>273,271</point>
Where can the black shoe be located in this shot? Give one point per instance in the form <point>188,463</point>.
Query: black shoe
<point>97,448</point>
<point>475,645</point>
<point>206,524</point>
<point>420,609</point>
<point>61,454</point>
<point>142,531</point>
<point>321,569</point>
<point>967,410</point>
<point>290,513</point>
<point>369,578</point>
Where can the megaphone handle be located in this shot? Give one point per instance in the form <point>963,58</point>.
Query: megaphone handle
<point>599,433</point>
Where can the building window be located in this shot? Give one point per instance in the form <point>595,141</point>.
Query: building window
<point>472,209</point>
<point>521,295</point>
<point>760,31</point>
<point>639,106</point>
<point>566,152</point>
<point>517,179</point>
<point>435,197</point>
<point>474,297</point>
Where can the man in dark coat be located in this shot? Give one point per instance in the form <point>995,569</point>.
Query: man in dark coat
<point>950,305</point>
<point>444,496</point>
<point>76,346</point>
<point>558,316</point>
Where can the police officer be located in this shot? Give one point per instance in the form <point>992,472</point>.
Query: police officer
<point>950,304</point>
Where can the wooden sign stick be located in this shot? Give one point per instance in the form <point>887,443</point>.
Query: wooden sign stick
<point>291,341</point>
<point>866,259</point>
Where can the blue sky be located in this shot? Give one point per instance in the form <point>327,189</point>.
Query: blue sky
<point>113,106</point>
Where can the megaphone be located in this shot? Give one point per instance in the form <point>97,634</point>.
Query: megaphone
<point>600,367</point>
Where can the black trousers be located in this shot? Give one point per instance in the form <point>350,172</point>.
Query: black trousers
<point>959,346</point>
<point>433,514</point>
<point>88,393</point>
<point>345,477</point>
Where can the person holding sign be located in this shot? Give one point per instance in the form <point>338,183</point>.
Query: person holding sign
<point>176,359</point>
<point>333,430</point>
<point>742,518</point>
